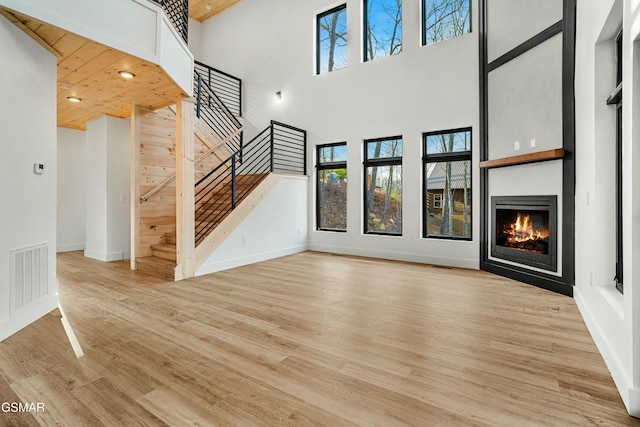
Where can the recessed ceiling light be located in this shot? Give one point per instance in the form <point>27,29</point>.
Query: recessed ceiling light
<point>126,74</point>
<point>208,7</point>
<point>65,86</point>
<point>73,99</point>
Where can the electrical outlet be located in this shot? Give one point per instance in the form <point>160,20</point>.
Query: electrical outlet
<point>516,145</point>
<point>244,239</point>
<point>591,279</point>
<point>533,142</point>
<point>588,201</point>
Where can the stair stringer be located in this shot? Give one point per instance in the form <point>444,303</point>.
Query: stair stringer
<point>217,237</point>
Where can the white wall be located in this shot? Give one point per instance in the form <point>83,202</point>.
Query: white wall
<point>28,201</point>
<point>108,228</point>
<point>195,38</point>
<point>72,188</point>
<point>424,88</point>
<point>612,318</point>
<point>276,227</point>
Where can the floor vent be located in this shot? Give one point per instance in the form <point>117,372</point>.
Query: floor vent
<point>29,276</point>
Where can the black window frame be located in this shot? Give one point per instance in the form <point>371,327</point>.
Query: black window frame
<point>457,156</point>
<point>325,166</point>
<point>367,163</point>
<point>365,25</point>
<point>423,24</point>
<point>317,41</point>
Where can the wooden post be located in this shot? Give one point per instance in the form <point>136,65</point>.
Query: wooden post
<point>136,114</point>
<point>185,189</point>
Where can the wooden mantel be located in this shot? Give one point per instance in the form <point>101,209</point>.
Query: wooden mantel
<point>541,156</point>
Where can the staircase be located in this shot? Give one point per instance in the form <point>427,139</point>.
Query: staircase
<point>279,148</point>
<point>162,262</point>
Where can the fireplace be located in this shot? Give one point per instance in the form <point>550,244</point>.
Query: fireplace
<point>525,230</point>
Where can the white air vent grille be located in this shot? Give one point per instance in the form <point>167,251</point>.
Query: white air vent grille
<point>29,276</point>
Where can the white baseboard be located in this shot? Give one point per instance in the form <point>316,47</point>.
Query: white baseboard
<point>624,384</point>
<point>24,318</point>
<point>250,259</point>
<point>70,247</point>
<point>399,256</point>
<point>104,256</point>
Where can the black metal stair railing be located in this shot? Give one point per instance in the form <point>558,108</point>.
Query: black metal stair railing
<point>178,13</point>
<point>279,148</point>
<point>213,111</point>
<point>227,87</point>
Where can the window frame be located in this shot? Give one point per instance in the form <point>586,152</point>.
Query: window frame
<point>365,25</point>
<point>319,16</point>
<point>457,156</point>
<point>615,100</point>
<point>424,26</point>
<point>326,166</point>
<point>367,163</point>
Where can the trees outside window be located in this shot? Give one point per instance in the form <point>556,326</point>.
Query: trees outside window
<point>331,187</point>
<point>445,19</point>
<point>447,184</point>
<point>383,186</point>
<point>331,40</point>
<point>382,28</point>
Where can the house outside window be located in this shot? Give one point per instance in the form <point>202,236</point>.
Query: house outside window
<point>382,28</point>
<point>445,19</point>
<point>331,187</point>
<point>447,184</point>
<point>383,186</point>
<point>331,40</point>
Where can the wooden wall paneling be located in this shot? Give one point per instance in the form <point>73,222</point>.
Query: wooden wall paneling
<point>157,151</point>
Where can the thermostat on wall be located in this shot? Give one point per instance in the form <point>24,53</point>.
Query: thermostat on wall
<point>38,168</point>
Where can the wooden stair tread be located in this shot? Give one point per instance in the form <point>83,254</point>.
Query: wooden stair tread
<point>156,261</point>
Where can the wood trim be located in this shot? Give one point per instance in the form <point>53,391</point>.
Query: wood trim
<point>136,114</point>
<point>541,156</point>
<point>185,189</point>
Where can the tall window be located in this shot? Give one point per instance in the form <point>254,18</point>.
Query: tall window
<point>445,19</point>
<point>331,190</point>
<point>382,28</point>
<point>616,100</point>
<point>447,184</point>
<point>383,186</point>
<point>331,40</point>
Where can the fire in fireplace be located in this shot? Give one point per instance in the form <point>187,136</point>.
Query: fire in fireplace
<point>525,230</point>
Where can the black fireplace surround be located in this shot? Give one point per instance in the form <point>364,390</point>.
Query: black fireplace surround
<point>524,230</point>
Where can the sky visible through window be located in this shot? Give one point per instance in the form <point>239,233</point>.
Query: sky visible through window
<point>383,28</point>
<point>332,40</point>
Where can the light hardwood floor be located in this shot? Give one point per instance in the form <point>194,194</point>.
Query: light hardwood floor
<point>309,339</point>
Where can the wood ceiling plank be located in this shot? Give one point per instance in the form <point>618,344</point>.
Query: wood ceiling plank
<point>198,8</point>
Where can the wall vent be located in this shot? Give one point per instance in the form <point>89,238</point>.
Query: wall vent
<point>28,280</point>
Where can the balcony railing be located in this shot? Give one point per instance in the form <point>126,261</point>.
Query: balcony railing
<point>178,13</point>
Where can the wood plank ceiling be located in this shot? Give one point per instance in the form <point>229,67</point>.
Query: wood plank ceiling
<point>201,10</point>
<point>89,71</point>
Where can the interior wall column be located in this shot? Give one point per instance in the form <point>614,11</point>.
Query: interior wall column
<point>185,189</point>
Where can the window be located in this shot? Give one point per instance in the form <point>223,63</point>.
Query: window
<point>616,100</point>
<point>331,187</point>
<point>383,186</point>
<point>445,19</point>
<point>331,40</point>
<point>447,184</point>
<point>437,200</point>
<point>382,28</point>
